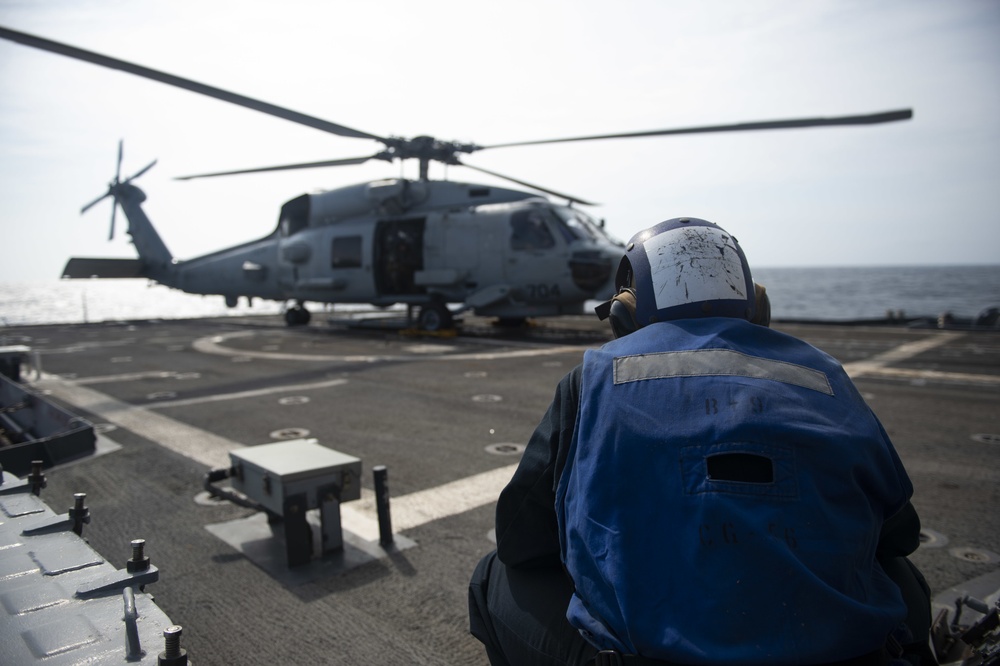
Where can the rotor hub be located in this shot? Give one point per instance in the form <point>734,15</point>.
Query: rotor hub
<point>425,149</point>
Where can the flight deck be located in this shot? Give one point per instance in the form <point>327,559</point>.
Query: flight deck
<point>447,417</point>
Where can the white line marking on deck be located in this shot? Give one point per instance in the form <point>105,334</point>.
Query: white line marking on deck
<point>934,376</point>
<point>239,395</point>
<point>360,517</point>
<point>425,506</point>
<point>896,354</point>
<point>128,377</point>
<point>195,443</point>
<point>214,345</point>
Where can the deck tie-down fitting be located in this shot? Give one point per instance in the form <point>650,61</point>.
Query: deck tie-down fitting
<point>74,519</point>
<point>138,572</point>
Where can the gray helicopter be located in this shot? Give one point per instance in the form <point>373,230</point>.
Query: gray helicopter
<point>441,247</point>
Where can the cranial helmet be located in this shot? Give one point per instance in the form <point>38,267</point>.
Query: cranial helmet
<point>680,269</point>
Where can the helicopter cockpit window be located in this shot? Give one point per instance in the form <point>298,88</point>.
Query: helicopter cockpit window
<point>529,231</point>
<point>582,225</point>
<point>294,216</point>
<point>572,226</point>
<point>291,226</point>
<point>346,252</point>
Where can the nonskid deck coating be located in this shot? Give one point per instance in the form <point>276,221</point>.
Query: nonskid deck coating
<point>447,416</point>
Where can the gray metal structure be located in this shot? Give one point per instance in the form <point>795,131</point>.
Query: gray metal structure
<point>32,427</point>
<point>290,478</point>
<point>63,602</point>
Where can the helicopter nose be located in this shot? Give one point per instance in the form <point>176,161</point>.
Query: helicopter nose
<point>607,290</point>
<point>591,270</point>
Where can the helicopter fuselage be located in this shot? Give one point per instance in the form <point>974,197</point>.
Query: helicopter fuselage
<point>499,252</point>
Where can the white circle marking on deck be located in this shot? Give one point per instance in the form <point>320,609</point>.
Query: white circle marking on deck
<point>215,344</point>
<point>932,539</point>
<point>204,498</point>
<point>289,433</point>
<point>504,449</point>
<point>977,555</point>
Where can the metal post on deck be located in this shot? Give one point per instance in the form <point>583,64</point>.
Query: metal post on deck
<point>382,505</point>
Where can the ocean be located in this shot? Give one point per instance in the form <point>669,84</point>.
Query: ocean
<point>815,294</point>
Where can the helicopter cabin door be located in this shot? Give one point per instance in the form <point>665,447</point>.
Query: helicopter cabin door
<point>533,253</point>
<point>399,254</point>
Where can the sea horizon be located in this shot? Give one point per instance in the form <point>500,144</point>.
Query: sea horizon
<point>820,293</point>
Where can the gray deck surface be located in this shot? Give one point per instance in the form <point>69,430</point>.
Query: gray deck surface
<point>446,416</point>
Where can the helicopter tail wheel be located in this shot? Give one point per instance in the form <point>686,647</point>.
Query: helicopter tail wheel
<point>436,317</point>
<point>297,316</point>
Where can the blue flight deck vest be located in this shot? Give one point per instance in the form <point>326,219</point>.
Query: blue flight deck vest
<point>676,557</point>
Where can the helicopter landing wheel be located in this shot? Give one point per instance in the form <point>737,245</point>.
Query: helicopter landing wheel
<point>297,316</point>
<point>435,317</point>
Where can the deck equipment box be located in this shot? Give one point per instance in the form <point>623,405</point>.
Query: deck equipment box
<point>290,478</point>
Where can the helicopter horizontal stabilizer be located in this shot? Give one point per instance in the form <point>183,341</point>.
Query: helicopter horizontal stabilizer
<point>80,267</point>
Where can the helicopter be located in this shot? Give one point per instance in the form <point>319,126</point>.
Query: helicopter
<point>429,244</point>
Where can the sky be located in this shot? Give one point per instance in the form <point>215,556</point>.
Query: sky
<point>924,191</point>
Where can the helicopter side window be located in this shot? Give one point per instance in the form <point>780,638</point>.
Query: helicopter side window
<point>529,231</point>
<point>294,216</point>
<point>346,252</point>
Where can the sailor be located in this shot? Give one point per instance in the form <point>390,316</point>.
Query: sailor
<point>702,490</point>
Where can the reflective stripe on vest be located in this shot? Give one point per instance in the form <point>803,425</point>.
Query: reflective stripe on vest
<point>716,362</point>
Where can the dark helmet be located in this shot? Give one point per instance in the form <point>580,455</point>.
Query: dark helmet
<point>681,269</point>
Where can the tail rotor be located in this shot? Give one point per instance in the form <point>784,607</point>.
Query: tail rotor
<point>114,188</point>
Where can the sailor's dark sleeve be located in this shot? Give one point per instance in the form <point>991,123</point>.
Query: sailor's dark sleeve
<point>900,534</point>
<point>527,533</point>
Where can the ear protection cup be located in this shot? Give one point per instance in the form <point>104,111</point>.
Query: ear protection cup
<point>762,307</point>
<point>621,316</point>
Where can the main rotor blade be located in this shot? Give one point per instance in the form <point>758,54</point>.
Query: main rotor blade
<point>285,167</point>
<point>141,171</point>
<point>869,119</point>
<point>527,184</point>
<point>95,202</point>
<point>118,168</point>
<point>186,84</point>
